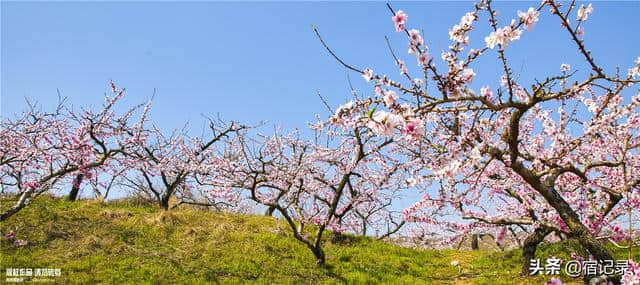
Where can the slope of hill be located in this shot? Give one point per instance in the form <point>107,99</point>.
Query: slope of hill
<point>127,243</point>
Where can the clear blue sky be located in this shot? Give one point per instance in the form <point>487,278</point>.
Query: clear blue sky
<point>257,61</point>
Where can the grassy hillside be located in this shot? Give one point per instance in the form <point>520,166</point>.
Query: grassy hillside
<point>124,243</point>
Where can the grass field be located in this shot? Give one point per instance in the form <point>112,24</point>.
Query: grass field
<point>127,243</point>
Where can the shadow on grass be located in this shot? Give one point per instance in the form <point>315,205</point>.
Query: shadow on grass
<point>331,273</point>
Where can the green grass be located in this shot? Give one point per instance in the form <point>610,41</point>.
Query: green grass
<point>127,243</point>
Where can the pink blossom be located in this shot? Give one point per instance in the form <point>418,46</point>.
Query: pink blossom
<point>521,94</point>
<point>504,80</point>
<point>378,90</point>
<point>584,11</point>
<point>635,71</point>
<point>632,275</point>
<point>113,86</point>
<point>390,98</point>
<point>10,235</point>
<point>423,59</point>
<point>554,281</point>
<point>501,234</point>
<point>384,122</point>
<point>468,74</point>
<point>344,110</point>
<point>468,19</point>
<point>415,37</point>
<point>403,68</point>
<point>458,33</point>
<point>502,37</point>
<point>76,182</point>
<point>31,184</point>
<point>414,129</point>
<point>399,20</point>
<point>565,67</point>
<point>486,92</point>
<point>529,18</point>
<point>367,74</point>
<point>412,49</point>
<point>385,81</point>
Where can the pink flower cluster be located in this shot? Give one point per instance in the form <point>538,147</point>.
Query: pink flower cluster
<point>584,11</point>
<point>529,18</point>
<point>632,275</point>
<point>399,20</point>
<point>503,36</point>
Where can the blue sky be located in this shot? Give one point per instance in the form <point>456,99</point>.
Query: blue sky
<point>260,61</point>
<point>255,61</point>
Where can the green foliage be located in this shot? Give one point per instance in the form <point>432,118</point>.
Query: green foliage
<point>131,243</point>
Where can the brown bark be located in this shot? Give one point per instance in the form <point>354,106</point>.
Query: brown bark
<point>475,242</point>
<point>75,188</point>
<point>462,240</point>
<point>529,248</point>
<point>319,254</point>
<point>577,229</point>
<point>269,211</point>
<point>164,200</point>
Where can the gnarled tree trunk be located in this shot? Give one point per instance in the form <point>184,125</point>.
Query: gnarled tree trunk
<point>529,248</point>
<point>578,231</point>
<point>75,188</point>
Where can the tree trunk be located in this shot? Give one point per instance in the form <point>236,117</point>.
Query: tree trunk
<point>164,202</point>
<point>475,242</point>
<point>269,211</point>
<point>577,230</point>
<point>462,240</point>
<point>75,188</point>
<point>595,248</point>
<point>529,248</point>
<point>22,201</point>
<point>338,237</point>
<point>319,254</point>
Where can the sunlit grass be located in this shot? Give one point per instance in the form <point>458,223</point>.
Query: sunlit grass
<point>130,243</point>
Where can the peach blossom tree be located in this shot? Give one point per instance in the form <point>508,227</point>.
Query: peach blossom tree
<point>560,156</point>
